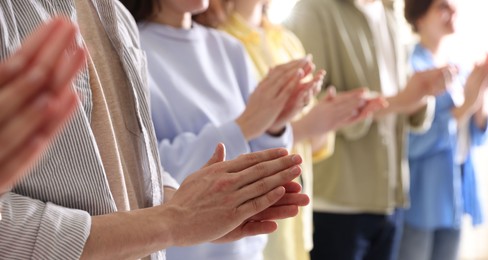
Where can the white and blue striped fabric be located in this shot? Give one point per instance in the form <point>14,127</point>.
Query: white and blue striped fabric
<point>47,215</point>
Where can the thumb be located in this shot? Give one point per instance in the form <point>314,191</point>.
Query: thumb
<point>330,94</point>
<point>218,155</point>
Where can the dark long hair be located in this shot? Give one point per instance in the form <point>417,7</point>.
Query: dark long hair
<point>142,10</point>
<point>416,9</point>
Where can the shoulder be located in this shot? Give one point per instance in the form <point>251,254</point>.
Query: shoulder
<point>219,35</point>
<point>125,18</point>
<point>222,40</point>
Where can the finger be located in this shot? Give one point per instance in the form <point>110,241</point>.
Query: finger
<point>253,228</point>
<point>14,168</point>
<point>371,107</point>
<point>260,203</point>
<point>264,169</point>
<point>247,160</point>
<point>218,155</point>
<point>309,67</point>
<point>32,118</point>
<point>19,91</point>
<point>285,85</point>
<point>67,69</point>
<point>28,152</point>
<point>67,102</point>
<point>279,71</point>
<point>30,47</point>
<point>296,199</point>
<point>319,82</point>
<point>293,187</point>
<point>312,84</point>
<point>330,94</point>
<point>249,228</point>
<point>266,184</point>
<point>275,213</point>
<point>288,86</point>
<point>20,128</point>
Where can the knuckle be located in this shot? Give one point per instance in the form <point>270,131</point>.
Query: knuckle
<point>251,157</point>
<point>260,168</point>
<point>222,185</point>
<point>255,205</point>
<point>262,186</point>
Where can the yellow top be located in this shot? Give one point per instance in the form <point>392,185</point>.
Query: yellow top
<point>269,46</point>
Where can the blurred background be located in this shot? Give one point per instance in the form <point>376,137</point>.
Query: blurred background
<point>471,41</point>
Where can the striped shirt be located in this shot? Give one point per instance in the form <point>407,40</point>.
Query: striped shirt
<point>47,215</point>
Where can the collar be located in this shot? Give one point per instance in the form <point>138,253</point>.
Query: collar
<point>240,29</point>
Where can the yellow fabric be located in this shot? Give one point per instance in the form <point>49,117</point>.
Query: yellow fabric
<point>270,46</point>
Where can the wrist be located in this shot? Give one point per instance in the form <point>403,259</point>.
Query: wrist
<point>166,216</point>
<point>248,132</point>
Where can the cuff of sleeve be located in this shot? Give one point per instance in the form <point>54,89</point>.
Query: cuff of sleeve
<point>327,150</point>
<point>62,233</point>
<point>423,124</point>
<point>357,130</point>
<point>266,141</point>
<point>169,181</point>
<point>2,198</point>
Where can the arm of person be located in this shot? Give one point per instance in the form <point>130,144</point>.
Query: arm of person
<point>222,202</point>
<point>417,100</point>
<point>182,153</point>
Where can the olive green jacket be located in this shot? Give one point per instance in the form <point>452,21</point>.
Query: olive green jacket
<point>357,175</point>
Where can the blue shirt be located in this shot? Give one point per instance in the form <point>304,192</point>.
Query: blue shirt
<point>201,80</point>
<point>441,190</point>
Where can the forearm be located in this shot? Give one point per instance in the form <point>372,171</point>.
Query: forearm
<point>462,113</point>
<point>300,131</point>
<point>397,105</point>
<point>127,235</point>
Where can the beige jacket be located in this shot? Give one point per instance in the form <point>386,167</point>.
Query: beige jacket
<point>357,174</point>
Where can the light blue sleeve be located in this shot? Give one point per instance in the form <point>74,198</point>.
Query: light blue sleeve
<point>187,152</point>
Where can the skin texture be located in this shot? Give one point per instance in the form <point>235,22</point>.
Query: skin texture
<point>224,201</point>
<point>245,195</point>
<point>35,96</point>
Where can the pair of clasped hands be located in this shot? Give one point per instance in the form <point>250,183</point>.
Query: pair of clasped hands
<point>223,201</point>
<point>282,95</point>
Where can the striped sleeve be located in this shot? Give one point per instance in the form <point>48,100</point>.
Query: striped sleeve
<point>31,229</point>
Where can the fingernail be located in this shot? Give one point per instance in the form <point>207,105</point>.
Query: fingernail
<point>300,72</point>
<point>296,158</point>
<point>296,170</point>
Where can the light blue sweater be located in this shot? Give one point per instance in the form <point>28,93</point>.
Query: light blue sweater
<point>200,82</point>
